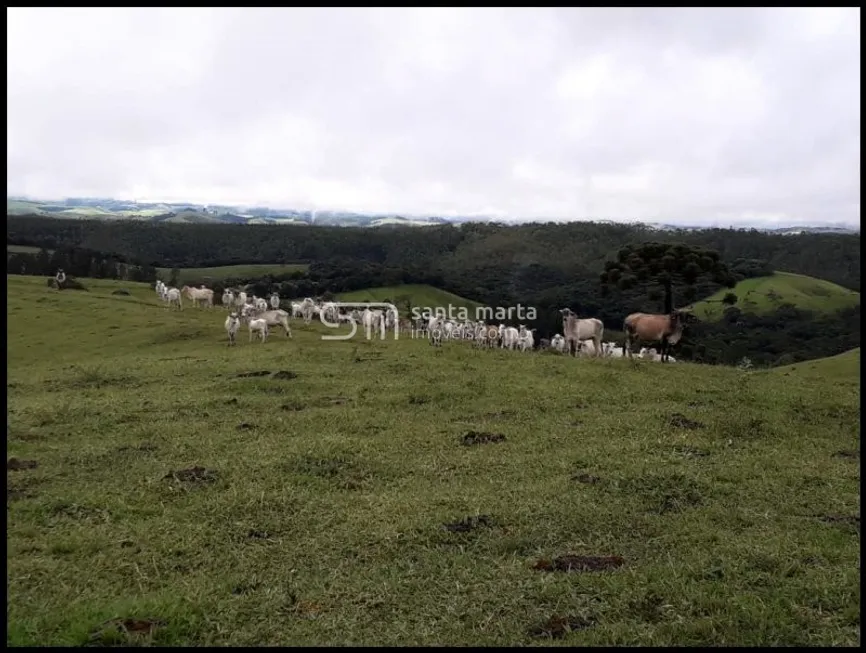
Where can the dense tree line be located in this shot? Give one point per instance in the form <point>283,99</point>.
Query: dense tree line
<point>788,335</point>
<point>78,262</point>
<point>573,249</point>
<point>546,266</point>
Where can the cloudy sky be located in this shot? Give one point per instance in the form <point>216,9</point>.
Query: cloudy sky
<point>693,116</point>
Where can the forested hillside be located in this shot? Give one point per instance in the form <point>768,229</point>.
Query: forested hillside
<point>546,266</point>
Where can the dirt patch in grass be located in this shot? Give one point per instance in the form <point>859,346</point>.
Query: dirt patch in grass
<point>17,464</point>
<point>80,512</point>
<point>284,375</point>
<point>680,421</point>
<point>586,478</point>
<point>500,414</point>
<point>481,437</point>
<point>246,426</point>
<point>116,631</point>
<point>666,494</point>
<point>853,455</point>
<point>470,523</point>
<point>255,534</point>
<point>571,562</point>
<point>558,626</point>
<point>144,447</point>
<point>651,608</point>
<point>246,588</point>
<point>193,475</point>
<point>418,400</point>
<point>846,522</point>
<point>293,406</point>
<point>179,334</point>
<point>120,291</point>
<point>247,375</point>
<point>345,473</point>
<point>689,451</point>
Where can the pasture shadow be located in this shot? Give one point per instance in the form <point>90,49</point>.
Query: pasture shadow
<point>580,563</point>
<point>472,438</point>
<point>17,464</point>
<point>558,626</point>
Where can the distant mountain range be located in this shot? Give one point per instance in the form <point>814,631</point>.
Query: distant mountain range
<point>184,212</point>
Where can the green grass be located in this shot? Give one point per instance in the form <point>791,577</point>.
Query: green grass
<point>188,275</point>
<point>844,366</point>
<point>24,249</point>
<point>763,295</point>
<point>415,295</point>
<point>323,524</point>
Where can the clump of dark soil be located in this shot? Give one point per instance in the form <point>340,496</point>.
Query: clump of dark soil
<point>665,494</point>
<point>144,446</point>
<point>14,493</point>
<point>854,455</point>
<point>848,522</point>
<point>246,375</point>
<point>558,626</point>
<point>468,524</point>
<point>482,437</point>
<point>233,401</point>
<point>293,405</point>
<point>678,420</point>
<point>589,479</point>
<point>255,534</point>
<point>690,452</point>
<point>246,426</point>
<point>284,375</point>
<point>193,475</point>
<point>16,464</point>
<point>418,400</point>
<point>113,630</point>
<point>246,588</point>
<point>580,563</point>
<point>120,291</point>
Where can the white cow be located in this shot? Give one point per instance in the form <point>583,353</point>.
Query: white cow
<point>510,337</point>
<point>232,324</point>
<point>260,326</point>
<point>199,295</point>
<point>173,298</point>
<point>275,301</point>
<point>577,331</point>
<point>228,299</point>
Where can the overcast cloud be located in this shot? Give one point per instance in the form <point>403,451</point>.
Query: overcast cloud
<point>697,116</point>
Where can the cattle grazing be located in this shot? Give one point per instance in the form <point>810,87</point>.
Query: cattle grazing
<point>199,295</point>
<point>173,298</point>
<point>233,323</point>
<point>653,328</point>
<point>578,330</point>
<point>260,326</point>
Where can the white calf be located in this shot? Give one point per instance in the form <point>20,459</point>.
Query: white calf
<point>233,323</point>
<point>261,326</point>
<point>173,298</point>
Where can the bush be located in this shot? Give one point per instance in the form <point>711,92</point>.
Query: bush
<point>69,284</point>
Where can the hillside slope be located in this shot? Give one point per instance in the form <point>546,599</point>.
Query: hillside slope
<point>762,295</point>
<point>412,295</point>
<point>341,502</point>
<point>844,367</point>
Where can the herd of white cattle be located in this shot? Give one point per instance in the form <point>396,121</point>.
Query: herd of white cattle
<point>583,336</point>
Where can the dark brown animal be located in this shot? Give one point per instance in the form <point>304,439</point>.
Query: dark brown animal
<point>650,327</point>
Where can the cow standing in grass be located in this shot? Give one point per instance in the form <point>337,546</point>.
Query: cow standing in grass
<point>667,330</point>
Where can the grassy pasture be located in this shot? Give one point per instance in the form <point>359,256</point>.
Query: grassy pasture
<point>765,294</point>
<point>415,295</point>
<point>319,515</point>
<point>192,275</point>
